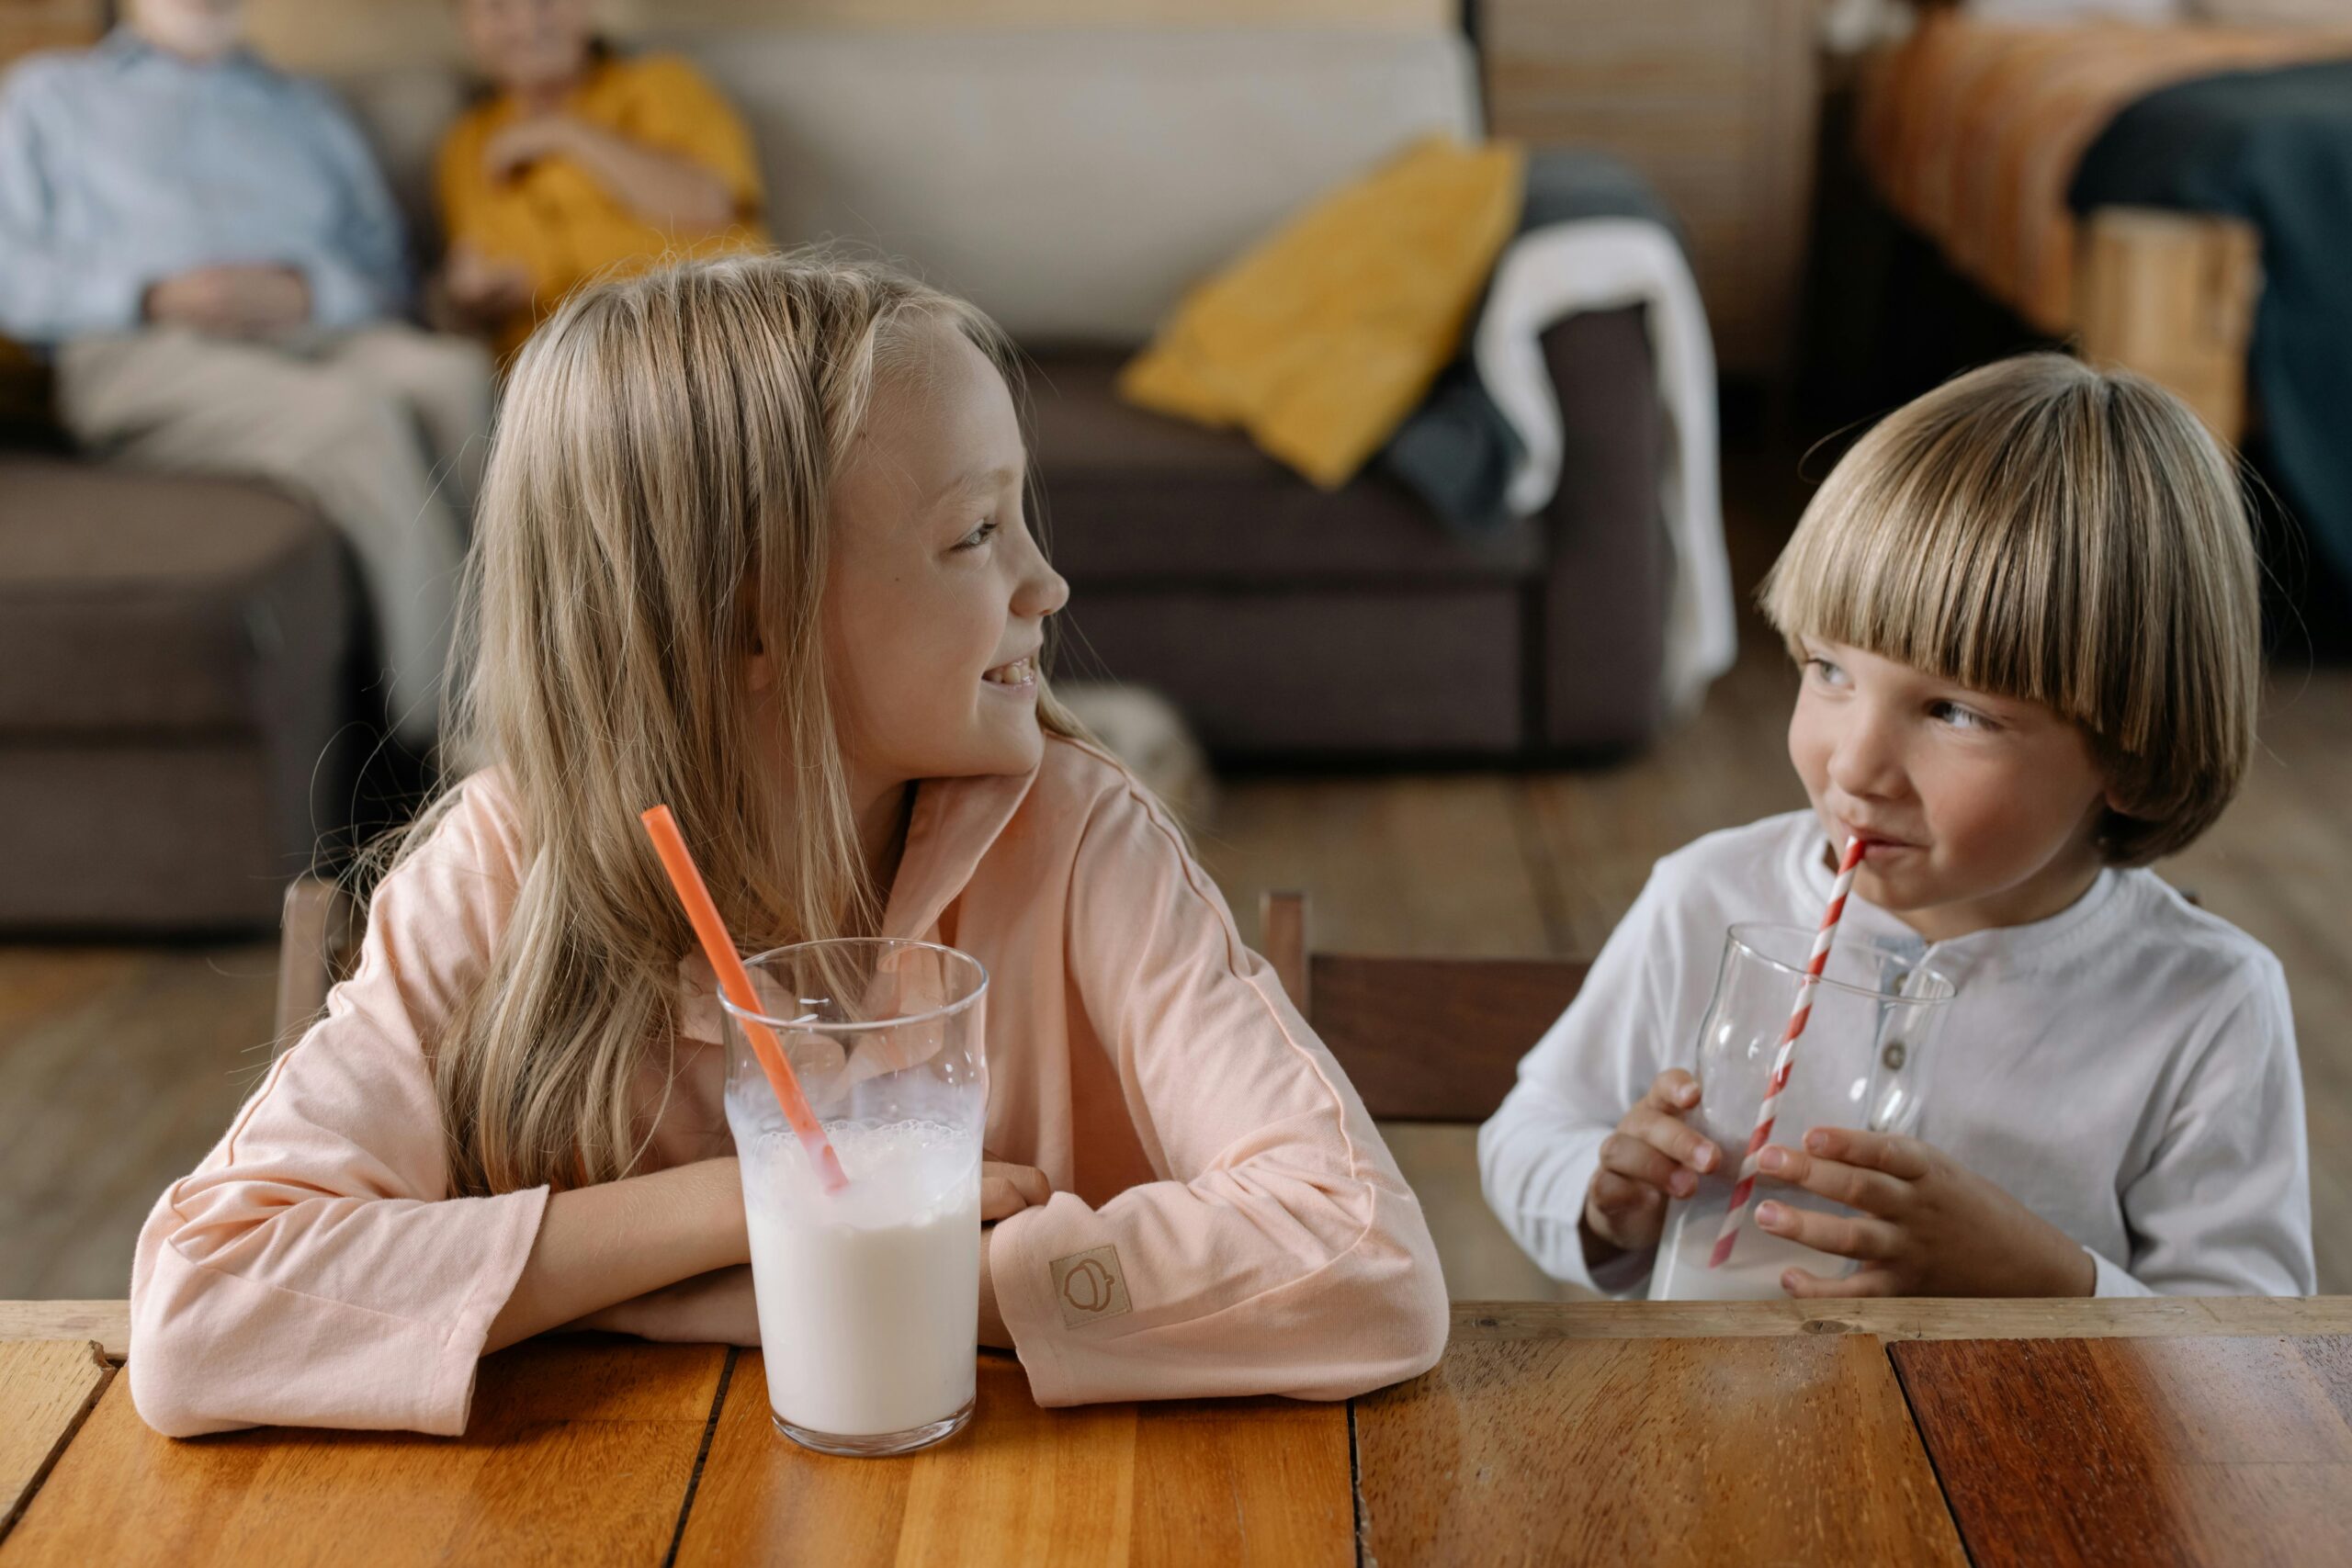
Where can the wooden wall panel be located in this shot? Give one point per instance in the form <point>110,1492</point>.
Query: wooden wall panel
<point>1715,100</point>
<point>27,25</point>
<point>327,35</point>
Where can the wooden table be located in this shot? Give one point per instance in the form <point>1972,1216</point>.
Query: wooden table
<point>1930,1432</point>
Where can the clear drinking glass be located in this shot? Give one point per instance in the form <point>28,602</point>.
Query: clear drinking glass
<point>869,1297</point>
<point>1859,1063</point>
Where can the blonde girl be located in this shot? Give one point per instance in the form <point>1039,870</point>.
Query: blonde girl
<point>754,543</point>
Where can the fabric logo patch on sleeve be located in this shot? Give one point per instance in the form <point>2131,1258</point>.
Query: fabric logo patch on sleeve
<point>1090,1286</point>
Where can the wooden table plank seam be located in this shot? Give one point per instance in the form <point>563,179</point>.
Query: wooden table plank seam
<point>1886,1345</point>
<point>702,1455</point>
<point>65,1434</point>
<point>1356,1521</point>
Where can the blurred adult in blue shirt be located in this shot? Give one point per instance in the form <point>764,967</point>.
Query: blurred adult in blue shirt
<point>206,247</point>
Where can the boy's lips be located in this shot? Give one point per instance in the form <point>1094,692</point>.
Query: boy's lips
<point>1876,842</point>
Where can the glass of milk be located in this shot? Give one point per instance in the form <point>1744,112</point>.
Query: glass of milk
<point>869,1297</point>
<point>1859,1063</point>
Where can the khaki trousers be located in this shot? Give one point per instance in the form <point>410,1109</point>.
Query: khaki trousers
<point>384,430</point>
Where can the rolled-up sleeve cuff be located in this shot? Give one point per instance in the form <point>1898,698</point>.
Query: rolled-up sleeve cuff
<point>2115,1282</point>
<point>1024,1300</point>
<point>450,1395</point>
<point>1546,1217</point>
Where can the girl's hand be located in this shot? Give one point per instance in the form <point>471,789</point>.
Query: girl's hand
<point>1007,1189</point>
<point>1650,1157</point>
<point>1927,1226</point>
<point>716,1308</point>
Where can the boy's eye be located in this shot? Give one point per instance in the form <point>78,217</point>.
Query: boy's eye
<point>978,536</point>
<point>1827,672</point>
<point>1960,718</point>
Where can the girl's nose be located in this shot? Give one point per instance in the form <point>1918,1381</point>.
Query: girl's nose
<point>1045,592</point>
<point>1042,591</point>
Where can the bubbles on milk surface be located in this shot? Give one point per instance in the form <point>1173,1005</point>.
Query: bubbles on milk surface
<point>899,1171</point>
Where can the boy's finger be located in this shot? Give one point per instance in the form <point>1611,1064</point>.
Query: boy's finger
<point>1674,1089</point>
<point>1618,1196</point>
<point>1840,1235</point>
<point>1904,1158</point>
<point>1674,1138</point>
<point>1805,1285</point>
<point>1872,1191</point>
<point>1631,1157</point>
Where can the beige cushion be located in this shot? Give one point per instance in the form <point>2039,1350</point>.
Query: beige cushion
<point>1071,182</point>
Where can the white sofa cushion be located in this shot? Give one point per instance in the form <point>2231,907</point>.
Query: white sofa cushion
<point>1072,182</point>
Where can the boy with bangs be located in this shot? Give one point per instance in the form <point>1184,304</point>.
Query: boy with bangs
<point>2025,610</point>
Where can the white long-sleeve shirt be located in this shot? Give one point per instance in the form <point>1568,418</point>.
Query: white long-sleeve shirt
<point>2126,1069</point>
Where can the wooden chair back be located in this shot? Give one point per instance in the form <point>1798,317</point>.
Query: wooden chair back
<point>319,943</point>
<point>1422,1039</point>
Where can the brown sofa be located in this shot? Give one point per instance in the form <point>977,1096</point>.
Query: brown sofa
<point>1292,624</point>
<point>173,670</point>
<point>175,655</point>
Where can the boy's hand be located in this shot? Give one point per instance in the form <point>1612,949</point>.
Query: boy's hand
<point>1927,1226</point>
<point>1650,1157</point>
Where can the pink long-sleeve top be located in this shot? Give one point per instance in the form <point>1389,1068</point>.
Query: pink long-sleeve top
<point>1226,1217</point>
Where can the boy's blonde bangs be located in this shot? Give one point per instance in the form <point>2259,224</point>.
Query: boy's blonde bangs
<point>1916,569</point>
<point>2043,531</point>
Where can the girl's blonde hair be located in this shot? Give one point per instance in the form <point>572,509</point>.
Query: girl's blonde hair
<point>656,501</point>
<point>2075,537</point>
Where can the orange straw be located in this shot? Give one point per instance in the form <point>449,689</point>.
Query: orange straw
<point>736,981</point>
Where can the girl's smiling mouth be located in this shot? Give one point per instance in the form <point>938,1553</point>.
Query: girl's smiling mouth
<point>1020,675</point>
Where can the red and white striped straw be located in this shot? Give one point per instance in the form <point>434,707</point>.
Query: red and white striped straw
<point>1745,1187</point>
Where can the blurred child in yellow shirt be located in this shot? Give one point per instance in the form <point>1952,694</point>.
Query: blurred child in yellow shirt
<point>582,162</point>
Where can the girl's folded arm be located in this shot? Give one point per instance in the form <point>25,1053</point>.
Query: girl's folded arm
<point>311,1268</point>
<point>1284,1253</point>
<point>315,1269</point>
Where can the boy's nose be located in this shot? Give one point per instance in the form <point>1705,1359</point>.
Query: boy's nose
<point>1866,762</point>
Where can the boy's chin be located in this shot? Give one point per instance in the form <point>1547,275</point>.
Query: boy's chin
<point>1896,891</point>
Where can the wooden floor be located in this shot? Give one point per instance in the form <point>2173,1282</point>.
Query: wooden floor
<point>118,1066</point>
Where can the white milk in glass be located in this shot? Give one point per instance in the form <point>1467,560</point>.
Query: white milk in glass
<point>868,1296</point>
<point>868,1299</point>
<point>1757,1258</point>
<point>1860,1063</point>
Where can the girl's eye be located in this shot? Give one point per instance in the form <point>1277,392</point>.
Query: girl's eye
<point>1960,718</point>
<point>1827,672</point>
<point>978,536</point>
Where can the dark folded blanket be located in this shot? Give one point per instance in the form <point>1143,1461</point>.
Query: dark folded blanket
<point>1457,451</point>
<point>2275,148</point>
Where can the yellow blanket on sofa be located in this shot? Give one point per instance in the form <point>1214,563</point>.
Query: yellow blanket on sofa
<point>1322,337</point>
